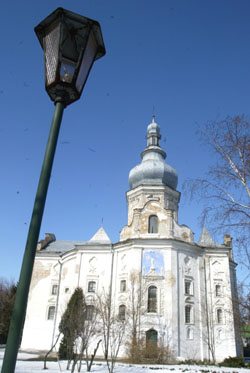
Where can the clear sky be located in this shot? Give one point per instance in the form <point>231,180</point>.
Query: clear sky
<point>188,58</point>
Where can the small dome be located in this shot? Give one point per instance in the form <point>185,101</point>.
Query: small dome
<point>153,127</point>
<point>153,170</point>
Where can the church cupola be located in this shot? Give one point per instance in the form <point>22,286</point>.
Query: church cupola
<point>153,170</point>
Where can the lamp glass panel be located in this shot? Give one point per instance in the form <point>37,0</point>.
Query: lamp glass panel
<point>51,47</point>
<point>67,70</point>
<point>88,58</point>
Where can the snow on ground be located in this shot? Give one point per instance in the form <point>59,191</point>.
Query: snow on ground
<point>37,367</point>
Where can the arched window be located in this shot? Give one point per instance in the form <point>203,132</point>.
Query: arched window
<point>91,286</point>
<point>219,334</point>
<point>51,312</point>
<point>151,343</point>
<point>219,316</point>
<point>122,312</point>
<point>153,224</point>
<point>152,299</point>
<point>188,315</point>
<point>90,309</point>
<point>190,333</point>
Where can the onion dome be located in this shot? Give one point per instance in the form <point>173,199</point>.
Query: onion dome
<point>153,170</point>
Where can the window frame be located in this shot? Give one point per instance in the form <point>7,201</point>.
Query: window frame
<point>90,309</point>
<point>50,312</point>
<point>152,306</point>
<point>123,286</point>
<point>191,288</point>
<point>91,286</point>
<point>122,312</point>
<point>189,333</point>
<point>153,223</point>
<point>189,317</point>
<point>219,316</point>
<point>54,289</point>
<point>218,290</point>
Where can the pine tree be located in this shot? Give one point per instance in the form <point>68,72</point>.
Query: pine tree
<point>71,324</point>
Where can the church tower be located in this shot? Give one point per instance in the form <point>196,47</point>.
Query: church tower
<point>153,198</point>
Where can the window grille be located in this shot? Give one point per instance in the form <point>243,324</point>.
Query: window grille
<point>188,288</point>
<point>188,314</point>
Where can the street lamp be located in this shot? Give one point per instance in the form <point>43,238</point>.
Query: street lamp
<point>71,44</point>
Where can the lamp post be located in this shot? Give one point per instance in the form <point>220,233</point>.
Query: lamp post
<point>71,44</point>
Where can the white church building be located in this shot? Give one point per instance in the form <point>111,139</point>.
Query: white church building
<point>186,287</point>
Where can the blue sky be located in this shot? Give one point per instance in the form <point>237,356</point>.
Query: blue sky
<point>188,58</point>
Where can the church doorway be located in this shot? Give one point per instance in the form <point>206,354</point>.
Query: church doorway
<point>151,343</point>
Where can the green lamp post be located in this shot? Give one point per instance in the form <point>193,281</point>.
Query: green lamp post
<point>71,44</point>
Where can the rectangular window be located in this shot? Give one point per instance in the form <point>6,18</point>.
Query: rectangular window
<point>123,286</point>
<point>54,289</point>
<point>218,290</point>
<point>91,286</point>
<point>90,312</point>
<point>219,316</point>
<point>188,287</point>
<point>51,312</point>
<point>152,299</point>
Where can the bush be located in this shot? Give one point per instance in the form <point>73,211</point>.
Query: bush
<point>135,350</point>
<point>138,351</point>
<point>233,362</point>
<point>197,362</point>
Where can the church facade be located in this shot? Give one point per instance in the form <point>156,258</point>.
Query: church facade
<point>187,289</point>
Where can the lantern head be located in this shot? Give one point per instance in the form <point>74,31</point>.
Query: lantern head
<point>71,44</point>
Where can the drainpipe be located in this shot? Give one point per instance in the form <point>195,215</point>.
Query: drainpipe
<point>140,291</point>
<point>110,297</point>
<point>178,305</point>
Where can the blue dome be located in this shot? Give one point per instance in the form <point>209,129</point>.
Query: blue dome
<point>153,170</point>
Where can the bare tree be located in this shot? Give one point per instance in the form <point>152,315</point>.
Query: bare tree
<point>165,353</point>
<point>79,327</point>
<point>112,329</point>
<point>225,189</point>
<point>89,362</point>
<point>243,304</point>
<point>135,310</point>
<point>87,335</point>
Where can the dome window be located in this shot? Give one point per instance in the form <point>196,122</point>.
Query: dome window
<point>153,224</point>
